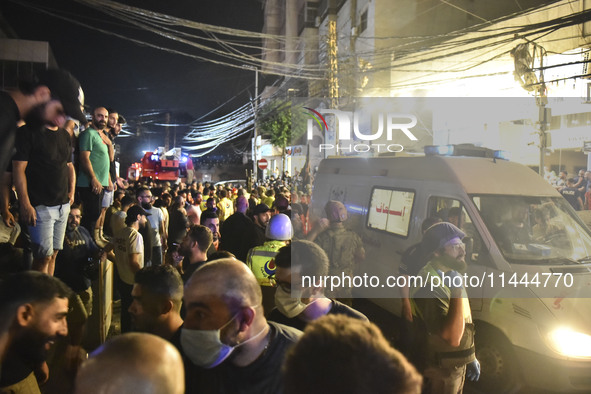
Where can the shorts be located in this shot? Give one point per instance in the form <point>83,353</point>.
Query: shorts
<point>91,203</point>
<point>107,199</point>
<point>48,234</point>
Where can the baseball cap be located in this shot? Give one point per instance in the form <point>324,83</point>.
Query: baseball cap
<point>261,208</point>
<point>438,235</point>
<point>335,211</point>
<point>135,210</point>
<point>67,89</point>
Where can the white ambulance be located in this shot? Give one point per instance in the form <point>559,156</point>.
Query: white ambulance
<point>526,246</point>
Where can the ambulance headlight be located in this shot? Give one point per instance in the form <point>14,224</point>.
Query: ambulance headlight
<point>570,343</point>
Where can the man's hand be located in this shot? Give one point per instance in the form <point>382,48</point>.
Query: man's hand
<point>110,187</point>
<point>8,219</point>
<point>29,215</point>
<point>473,371</point>
<point>406,310</point>
<point>96,186</point>
<point>71,197</point>
<point>42,373</point>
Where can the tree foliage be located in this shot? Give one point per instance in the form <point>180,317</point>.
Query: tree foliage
<point>283,122</point>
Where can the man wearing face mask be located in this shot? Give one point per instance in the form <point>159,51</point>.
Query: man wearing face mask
<point>227,343</point>
<point>444,314</point>
<point>296,306</point>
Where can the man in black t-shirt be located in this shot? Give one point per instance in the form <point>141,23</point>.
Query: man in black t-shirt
<point>227,344</point>
<point>297,305</point>
<point>572,195</point>
<point>51,93</point>
<point>44,178</point>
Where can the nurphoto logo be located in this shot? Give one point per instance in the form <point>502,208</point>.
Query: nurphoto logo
<point>390,123</point>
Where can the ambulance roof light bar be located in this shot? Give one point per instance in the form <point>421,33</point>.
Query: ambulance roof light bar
<point>439,150</point>
<point>469,150</point>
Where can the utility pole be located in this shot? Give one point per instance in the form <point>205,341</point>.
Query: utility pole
<point>167,132</point>
<point>333,81</point>
<point>525,74</point>
<point>542,100</point>
<point>255,110</point>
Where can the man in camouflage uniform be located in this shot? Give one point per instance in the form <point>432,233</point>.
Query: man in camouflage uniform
<point>342,246</point>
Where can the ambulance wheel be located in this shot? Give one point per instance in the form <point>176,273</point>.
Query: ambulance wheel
<point>499,370</point>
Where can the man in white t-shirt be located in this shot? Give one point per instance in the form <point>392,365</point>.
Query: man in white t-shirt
<point>129,258</point>
<point>156,219</point>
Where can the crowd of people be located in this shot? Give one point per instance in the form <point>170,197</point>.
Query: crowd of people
<point>575,189</point>
<point>213,271</point>
<point>195,268</point>
<point>209,278</point>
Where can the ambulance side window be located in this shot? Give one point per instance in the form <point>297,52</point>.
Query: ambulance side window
<point>390,210</point>
<point>453,211</point>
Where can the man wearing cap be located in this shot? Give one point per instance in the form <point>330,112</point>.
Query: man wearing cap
<point>96,152</point>
<point>52,93</point>
<point>448,331</point>
<point>44,178</point>
<point>343,247</point>
<point>129,258</point>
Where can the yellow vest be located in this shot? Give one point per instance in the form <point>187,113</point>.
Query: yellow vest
<point>261,260</point>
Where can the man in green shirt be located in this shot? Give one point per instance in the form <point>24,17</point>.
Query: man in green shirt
<point>93,175</point>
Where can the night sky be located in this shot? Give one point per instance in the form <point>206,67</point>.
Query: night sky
<point>135,79</point>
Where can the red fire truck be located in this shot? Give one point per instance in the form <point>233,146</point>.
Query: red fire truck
<point>162,166</point>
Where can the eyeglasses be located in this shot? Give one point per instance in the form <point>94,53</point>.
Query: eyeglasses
<point>457,246</point>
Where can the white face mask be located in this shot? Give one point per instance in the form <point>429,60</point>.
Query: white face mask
<point>288,305</point>
<point>205,348</point>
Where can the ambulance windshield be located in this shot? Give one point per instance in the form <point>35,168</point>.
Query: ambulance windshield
<point>535,230</point>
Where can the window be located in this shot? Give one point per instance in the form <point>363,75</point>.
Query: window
<point>390,210</point>
<point>363,22</point>
<point>453,211</point>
